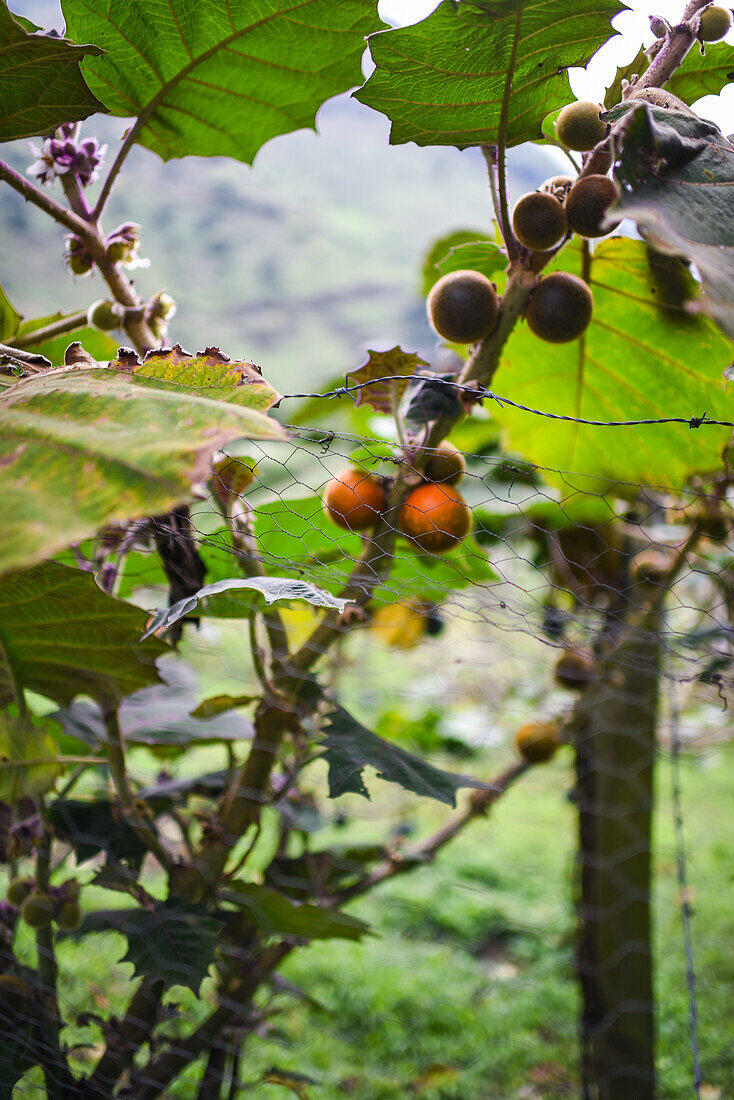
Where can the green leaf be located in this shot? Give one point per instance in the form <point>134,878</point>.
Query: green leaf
<point>702,74</point>
<point>221,77</point>
<point>298,535</point>
<point>9,316</point>
<point>441,249</point>
<point>637,67</point>
<point>483,256</point>
<point>83,447</point>
<point>98,344</point>
<point>640,357</point>
<point>22,739</point>
<point>275,914</point>
<point>95,827</point>
<point>443,81</point>
<point>270,588</point>
<point>40,82</point>
<point>677,173</point>
<point>220,704</point>
<point>211,374</point>
<point>174,942</point>
<point>61,635</point>
<point>350,747</point>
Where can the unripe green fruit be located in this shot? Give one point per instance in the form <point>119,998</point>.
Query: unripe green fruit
<point>118,251</point>
<point>715,23</point>
<point>69,916</point>
<point>560,308</point>
<point>539,221</point>
<point>38,909</point>
<point>446,466</point>
<point>80,265</point>
<point>579,127</point>
<point>18,890</point>
<point>587,203</point>
<point>101,315</point>
<point>463,307</point>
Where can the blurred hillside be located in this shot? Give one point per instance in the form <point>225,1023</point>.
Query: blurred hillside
<point>299,263</point>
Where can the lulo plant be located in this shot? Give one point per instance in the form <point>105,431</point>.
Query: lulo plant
<point>147,426</point>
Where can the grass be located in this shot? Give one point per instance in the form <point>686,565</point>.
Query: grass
<point>466,991</point>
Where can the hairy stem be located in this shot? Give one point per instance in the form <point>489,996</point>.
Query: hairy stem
<point>44,202</point>
<point>679,41</point>
<point>49,332</point>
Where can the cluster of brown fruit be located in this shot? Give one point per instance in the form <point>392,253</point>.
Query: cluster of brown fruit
<point>434,515</point>
<point>38,908</point>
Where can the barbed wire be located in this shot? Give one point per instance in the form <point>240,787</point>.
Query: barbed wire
<point>483,393</point>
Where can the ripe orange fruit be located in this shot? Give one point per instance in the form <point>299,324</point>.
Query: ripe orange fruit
<point>354,499</point>
<point>435,517</point>
<point>537,741</point>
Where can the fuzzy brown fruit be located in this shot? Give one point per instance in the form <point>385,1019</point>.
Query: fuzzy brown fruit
<point>587,203</point>
<point>69,916</point>
<point>560,308</point>
<point>537,742</point>
<point>446,466</point>
<point>435,517</point>
<point>574,670</point>
<point>463,307</point>
<point>38,909</point>
<point>354,499</point>
<point>715,23</point>
<point>539,221</point>
<point>579,127</point>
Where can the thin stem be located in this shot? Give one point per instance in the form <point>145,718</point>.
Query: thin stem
<point>130,138</point>
<point>679,41</point>
<point>75,196</point>
<point>255,651</point>
<point>48,332</point>
<point>137,820</point>
<point>39,198</point>
<point>511,244</point>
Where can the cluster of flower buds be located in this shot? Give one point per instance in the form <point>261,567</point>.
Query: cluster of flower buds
<point>123,244</point>
<point>63,153</point>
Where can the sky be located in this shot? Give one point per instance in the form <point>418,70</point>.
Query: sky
<point>634,28</point>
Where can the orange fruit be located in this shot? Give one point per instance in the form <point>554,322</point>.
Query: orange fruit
<point>354,499</point>
<point>435,517</point>
<point>537,741</point>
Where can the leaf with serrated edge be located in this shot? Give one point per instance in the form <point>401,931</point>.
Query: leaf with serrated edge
<point>62,636</point>
<point>221,77</point>
<point>350,747</point>
<point>443,81</point>
<point>637,359</point>
<point>270,588</point>
<point>173,943</point>
<point>384,364</point>
<point>701,74</point>
<point>40,82</point>
<point>85,446</point>
<point>211,374</point>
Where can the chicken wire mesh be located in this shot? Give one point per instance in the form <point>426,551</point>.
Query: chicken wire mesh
<point>446,655</point>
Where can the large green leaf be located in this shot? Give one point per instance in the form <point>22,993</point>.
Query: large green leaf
<point>703,74</point>
<point>350,747</point>
<point>640,357</point>
<point>82,447</point>
<point>27,743</point>
<point>61,635</point>
<point>40,82</point>
<point>444,81</point>
<point>173,942</point>
<point>677,174</point>
<point>275,914</point>
<point>221,77</point>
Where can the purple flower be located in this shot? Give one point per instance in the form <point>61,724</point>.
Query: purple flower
<point>61,153</point>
